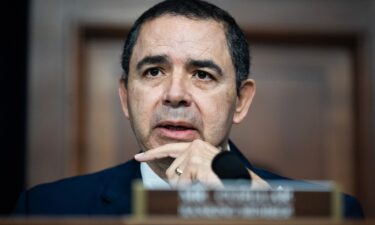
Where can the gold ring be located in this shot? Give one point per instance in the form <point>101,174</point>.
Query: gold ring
<point>178,171</point>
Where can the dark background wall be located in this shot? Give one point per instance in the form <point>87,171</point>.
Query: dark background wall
<point>13,75</point>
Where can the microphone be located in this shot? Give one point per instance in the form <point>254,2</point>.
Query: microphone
<point>228,166</point>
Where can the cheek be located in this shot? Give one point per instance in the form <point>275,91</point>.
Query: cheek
<point>224,111</point>
<point>217,112</point>
<point>135,107</point>
<point>142,102</point>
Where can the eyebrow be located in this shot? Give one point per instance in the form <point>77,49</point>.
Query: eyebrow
<point>206,64</point>
<point>164,59</point>
<point>154,59</point>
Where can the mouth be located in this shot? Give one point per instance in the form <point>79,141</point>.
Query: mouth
<point>177,130</point>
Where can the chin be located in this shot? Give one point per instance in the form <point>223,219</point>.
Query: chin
<point>165,140</point>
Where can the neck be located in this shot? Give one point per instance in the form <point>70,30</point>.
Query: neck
<point>160,166</point>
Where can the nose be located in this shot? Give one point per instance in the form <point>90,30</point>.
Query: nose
<point>176,93</point>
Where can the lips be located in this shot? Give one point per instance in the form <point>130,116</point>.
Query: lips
<point>178,130</point>
<point>178,125</point>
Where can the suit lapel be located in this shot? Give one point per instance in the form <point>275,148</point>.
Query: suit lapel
<point>235,150</point>
<point>116,197</point>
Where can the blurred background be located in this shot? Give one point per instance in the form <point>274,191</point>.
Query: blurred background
<point>312,117</point>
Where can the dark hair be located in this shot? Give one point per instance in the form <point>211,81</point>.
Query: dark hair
<point>195,9</point>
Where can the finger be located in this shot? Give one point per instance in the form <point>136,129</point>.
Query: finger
<point>197,165</point>
<point>180,163</point>
<point>172,150</point>
<point>258,182</point>
<point>192,174</point>
<point>195,162</point>
<point>187,177</point>
<point>210,180</point>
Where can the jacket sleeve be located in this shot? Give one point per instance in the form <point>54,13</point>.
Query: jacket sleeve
<point>21,208</point>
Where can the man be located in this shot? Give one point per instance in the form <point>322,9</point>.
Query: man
<point>185,82</point>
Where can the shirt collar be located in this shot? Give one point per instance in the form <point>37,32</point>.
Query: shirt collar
<point>150,179</point>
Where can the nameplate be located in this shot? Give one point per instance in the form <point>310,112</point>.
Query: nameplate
<point>285,200</point>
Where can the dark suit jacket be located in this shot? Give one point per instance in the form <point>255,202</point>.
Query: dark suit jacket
<point>108,192</point>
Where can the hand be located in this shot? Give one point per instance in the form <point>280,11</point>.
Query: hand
<point>193,159</point>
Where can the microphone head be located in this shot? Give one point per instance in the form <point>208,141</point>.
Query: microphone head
<point>228,166</point>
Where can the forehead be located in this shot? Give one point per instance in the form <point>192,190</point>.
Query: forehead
<point>181,38</point>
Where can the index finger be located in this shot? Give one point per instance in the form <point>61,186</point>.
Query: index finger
<point>172,150</point>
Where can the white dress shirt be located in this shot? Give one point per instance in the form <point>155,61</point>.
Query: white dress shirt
<point>150,179</point>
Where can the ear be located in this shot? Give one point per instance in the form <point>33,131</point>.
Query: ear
<point>244,99</point>
<point>123,93</point>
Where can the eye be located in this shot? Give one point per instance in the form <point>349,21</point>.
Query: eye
<point>153,72</point>
<point>202,75</point>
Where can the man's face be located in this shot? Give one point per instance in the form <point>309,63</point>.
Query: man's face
<point>181,83</point>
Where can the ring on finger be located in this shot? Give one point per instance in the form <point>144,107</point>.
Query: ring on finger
<point>178,171</point>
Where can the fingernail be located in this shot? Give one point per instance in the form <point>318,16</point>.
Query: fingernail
<point>139,155</point>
